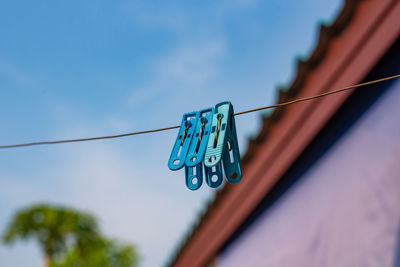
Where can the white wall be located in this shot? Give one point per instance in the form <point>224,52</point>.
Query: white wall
<point>344,212</point>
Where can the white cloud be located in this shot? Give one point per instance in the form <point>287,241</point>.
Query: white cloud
<point>194,64</point>
<point>16,75</point>
<point>170,16</point>
<point>246,2</point>
<point>187,71</point>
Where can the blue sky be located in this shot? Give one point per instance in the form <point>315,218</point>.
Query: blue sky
<point>73,69</point>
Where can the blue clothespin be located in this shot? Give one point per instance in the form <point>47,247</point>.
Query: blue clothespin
<point>223,147</point>
<point>197,149</point>
<point>179,151</point>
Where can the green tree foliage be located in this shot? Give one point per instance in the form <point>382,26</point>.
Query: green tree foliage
<point>102,252</point>
<point>68,238</point>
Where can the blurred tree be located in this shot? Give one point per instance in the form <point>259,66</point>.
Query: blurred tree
<point>55,228</point>
<point>103,252</point>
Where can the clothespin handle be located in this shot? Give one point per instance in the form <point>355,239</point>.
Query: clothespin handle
<point>231,155</point>
<point>197,149</point>
<point>216,141</point>
<point>199,142</point>
<point>183,140</point>
<point>194,176</point>
<point>223,144</point>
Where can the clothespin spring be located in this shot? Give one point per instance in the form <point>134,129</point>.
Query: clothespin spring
<point>185,132</point>
<point>218,129</point>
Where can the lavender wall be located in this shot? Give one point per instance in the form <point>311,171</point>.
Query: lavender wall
<point>344,212</point>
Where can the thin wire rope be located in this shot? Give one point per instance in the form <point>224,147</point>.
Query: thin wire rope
<point>320,95</point>
<point>175,127</point>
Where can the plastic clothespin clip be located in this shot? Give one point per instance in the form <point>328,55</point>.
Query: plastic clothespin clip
<point>214,175</point>
<point>223,145</point>
<point>179,151</point>
<point>197,150</point>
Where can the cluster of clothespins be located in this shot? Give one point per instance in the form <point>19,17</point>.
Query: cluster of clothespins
<point>207,137</point>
